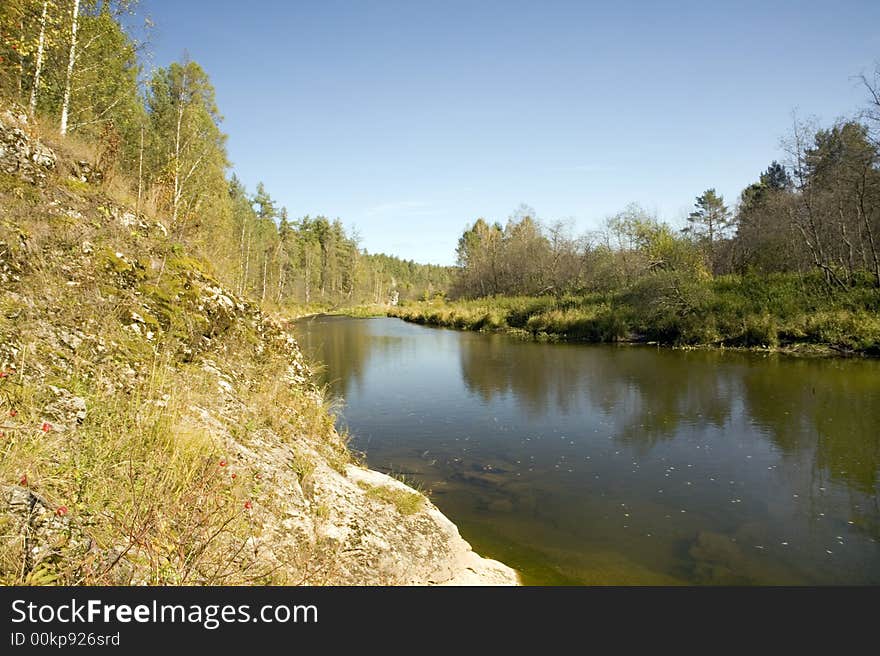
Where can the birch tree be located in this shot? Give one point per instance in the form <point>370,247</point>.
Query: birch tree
<point>38,65</point>
<point>71,59</point>
<point>28,33</point>
<point>187,148</point>
<point>104,88</point>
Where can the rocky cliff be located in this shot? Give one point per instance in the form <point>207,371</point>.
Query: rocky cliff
<point>157,429</point>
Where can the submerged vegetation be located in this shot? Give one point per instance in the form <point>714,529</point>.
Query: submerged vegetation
<point>577,463</point>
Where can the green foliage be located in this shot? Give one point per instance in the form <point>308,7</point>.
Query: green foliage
<point>406,502</point>
<point>710,218</point>
<point>185,153</point>
<point>673,307</point>
<point>164,152</point>
<point>312,264</point>
<point>638,277</point>
<point>670,307</point>
<point>105,97</point>
<point>523,257</point>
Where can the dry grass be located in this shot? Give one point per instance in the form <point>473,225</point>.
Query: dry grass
<point>142,475</point>
<point>139,474</point>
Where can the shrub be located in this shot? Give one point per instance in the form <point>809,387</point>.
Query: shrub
<point>759,331</point>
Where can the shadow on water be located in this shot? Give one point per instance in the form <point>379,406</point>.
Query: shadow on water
<point>583,464</point>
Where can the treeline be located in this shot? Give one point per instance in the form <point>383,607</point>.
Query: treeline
<point>313,260</point>
<point>792,264</point>
<point>820,211</point>
<point>76,69</point>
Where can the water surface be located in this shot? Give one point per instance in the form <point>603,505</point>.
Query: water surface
<point>597,464</point>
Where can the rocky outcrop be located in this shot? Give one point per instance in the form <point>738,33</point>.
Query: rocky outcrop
<point>358,538</point>
<point>329,512</point>
<point>113,312</point>
<point>433,550</point>
<point>65,410</point>
<point>19,154</point>
<point>44,535</point>
<point>86,172</point>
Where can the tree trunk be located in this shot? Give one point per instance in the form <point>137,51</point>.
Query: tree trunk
<point>140,171</point>
<point>308,276</point>
<point>177,191</point>
<point>20,80</point>
<point>265,268</point>
<point>280,295</point>
<point>846,262</point>
<point>38,65</point>
<point>323,270</point>
<point>71,58</point>
<point>280,257</point>
<point>870,232</point>
<point>247,262</point>
<point>241,264</point>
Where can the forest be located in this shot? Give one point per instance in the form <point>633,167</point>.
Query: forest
<point>792,261</point>
<point>176,411</point>
<point>154,136</point>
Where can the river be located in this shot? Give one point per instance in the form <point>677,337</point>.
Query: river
<point>622,465</point>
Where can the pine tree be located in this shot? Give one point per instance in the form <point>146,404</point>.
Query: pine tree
<point>776,177</point>
<point>709,222</point>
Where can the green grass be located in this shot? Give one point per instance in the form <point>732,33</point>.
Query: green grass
<point>297,311</point>
<point>407,503</point>
<point>362,311</point>
<point>775,311</point>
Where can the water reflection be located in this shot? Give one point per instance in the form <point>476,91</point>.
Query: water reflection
<point>648,397</point>
<point>600,464</point>
<point>827,406</point>
<point>341,354</point>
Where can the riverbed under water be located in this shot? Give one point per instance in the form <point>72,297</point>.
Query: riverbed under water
<point>600,464</point>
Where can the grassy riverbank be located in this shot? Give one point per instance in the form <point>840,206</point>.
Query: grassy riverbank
<point>783,311</point>
<point>295,312</point>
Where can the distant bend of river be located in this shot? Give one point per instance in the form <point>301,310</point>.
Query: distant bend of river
<point>599,464</point>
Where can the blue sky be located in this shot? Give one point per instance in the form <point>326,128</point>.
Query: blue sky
<point>408,120</point>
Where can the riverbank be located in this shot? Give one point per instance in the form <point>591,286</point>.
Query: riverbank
<point>157,428</point>
<point>292,313</point>
<point>606,465</point>
<point>779,313</point>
